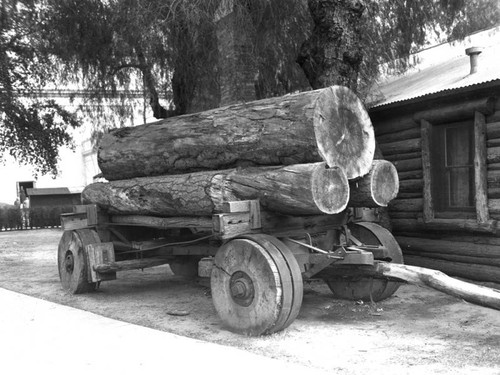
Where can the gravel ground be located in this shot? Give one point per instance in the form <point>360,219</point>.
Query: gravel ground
<point>414,332</point>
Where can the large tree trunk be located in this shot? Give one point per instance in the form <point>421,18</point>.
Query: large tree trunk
<point>332,55</point>
<point>237,61</point>
<point>328,125</point>
<point>302,189</point>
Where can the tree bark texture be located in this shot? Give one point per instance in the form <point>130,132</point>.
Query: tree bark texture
<point>377,188</point>
<point>332,54</point>
<point>303,189</point>
<point>328,125</point>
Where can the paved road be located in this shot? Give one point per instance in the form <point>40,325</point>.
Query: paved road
<point>40,337</point>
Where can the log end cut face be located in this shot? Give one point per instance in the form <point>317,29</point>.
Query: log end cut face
<point>330,189</point>
<point>384,182</point>
<point>344,132</point>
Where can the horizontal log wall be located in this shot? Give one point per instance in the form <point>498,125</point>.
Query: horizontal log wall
<point>493,161</point>
<point>400,142</point>
<point>463,248</point>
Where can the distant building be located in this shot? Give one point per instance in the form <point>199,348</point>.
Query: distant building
<point>77,167</point>
<point>54,197</point>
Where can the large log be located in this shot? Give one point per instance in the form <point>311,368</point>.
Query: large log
<point>328,125</point>
<point>377,188</point>
<point>301,189</point>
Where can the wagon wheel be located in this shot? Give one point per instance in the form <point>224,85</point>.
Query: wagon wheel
<point>256,285</point>
<point>72,261</point>
<point>368,288</point>
<point>186,266</point>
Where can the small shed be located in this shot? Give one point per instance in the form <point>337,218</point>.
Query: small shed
<point>54,197</point>
<point>440,127</point>
<point>47,204</point>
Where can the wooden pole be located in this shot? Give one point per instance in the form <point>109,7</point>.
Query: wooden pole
<point>472,293</point>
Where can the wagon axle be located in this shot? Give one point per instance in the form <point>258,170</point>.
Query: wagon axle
<point>256,261</point>
<point>242,289</point>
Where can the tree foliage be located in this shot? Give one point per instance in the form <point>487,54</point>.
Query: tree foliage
<point>170,46</point>
<point>30,130</point>
<point>169,49</point>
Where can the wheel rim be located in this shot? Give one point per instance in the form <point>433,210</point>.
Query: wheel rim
<point>252,287</point>
<point>72,260</point>
<point>291,275</point>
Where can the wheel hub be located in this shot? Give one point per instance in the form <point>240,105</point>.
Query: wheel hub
<point>242,289</point>
<point>69,262</point>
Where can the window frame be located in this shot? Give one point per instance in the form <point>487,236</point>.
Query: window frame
<point>442,167</point>
<point>480,177</point>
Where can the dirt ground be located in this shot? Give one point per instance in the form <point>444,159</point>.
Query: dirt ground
<point>417,331</point>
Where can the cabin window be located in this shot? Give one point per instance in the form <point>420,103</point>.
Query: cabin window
<point>454,173</point>
<point>452,170</point>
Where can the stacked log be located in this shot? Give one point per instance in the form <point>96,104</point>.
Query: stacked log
<point>304,154</point>
<point>377,188</point>
<point>329,125</point>
<point>300,189</point>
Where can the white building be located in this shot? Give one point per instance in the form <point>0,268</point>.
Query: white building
<point>77,167</point>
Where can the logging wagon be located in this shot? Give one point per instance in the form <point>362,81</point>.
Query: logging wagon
<point>257,196</point>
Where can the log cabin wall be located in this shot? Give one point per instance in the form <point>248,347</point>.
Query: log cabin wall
<point>461,242</point>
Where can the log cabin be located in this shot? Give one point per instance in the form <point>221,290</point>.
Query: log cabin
<point>440,127</point>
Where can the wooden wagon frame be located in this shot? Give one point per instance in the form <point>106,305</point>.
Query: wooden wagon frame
<point>256,260</point>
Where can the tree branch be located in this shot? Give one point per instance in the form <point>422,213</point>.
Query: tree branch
<point>149,82</point>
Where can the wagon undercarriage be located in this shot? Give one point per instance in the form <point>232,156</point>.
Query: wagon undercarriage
<point>256,261</point>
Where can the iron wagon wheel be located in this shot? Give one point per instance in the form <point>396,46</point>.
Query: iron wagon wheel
<point>256,285</point>
<point>368,288</point>
<point>72,261</point>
